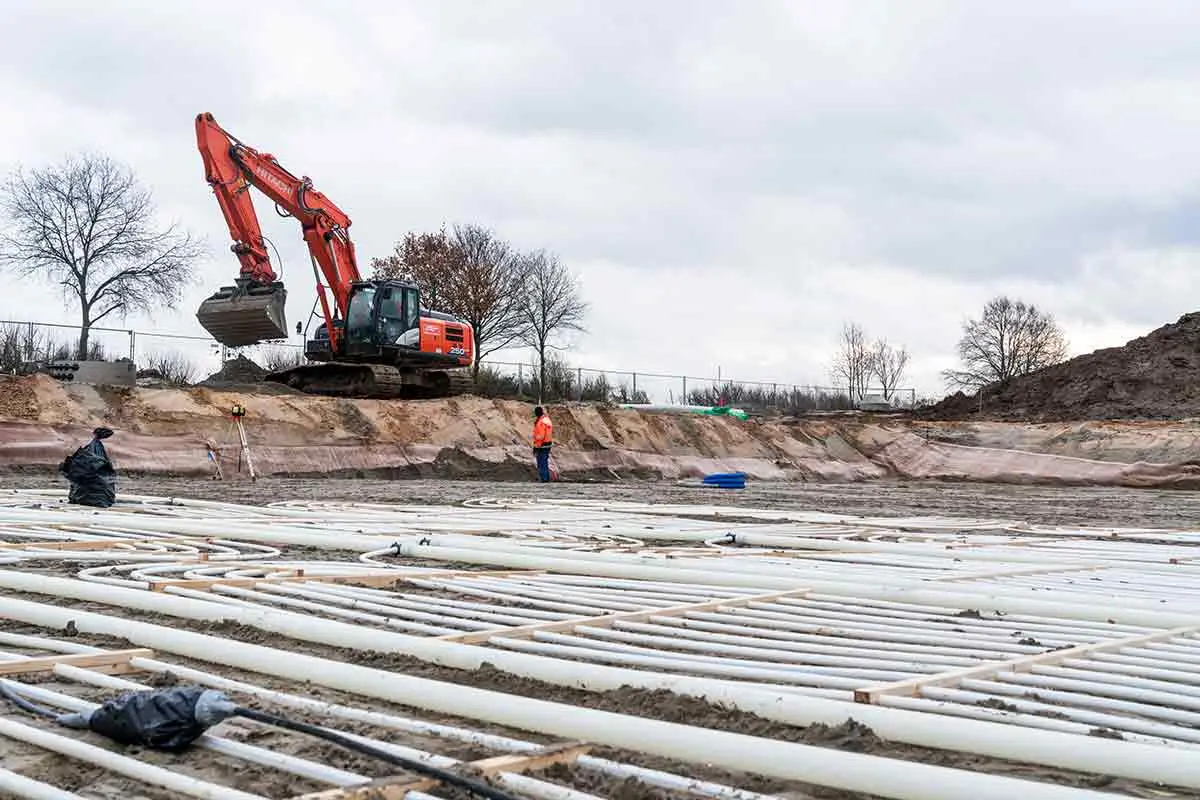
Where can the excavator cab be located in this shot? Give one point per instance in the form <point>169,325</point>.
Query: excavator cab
<point>382,314</point>
<point>245,314</point>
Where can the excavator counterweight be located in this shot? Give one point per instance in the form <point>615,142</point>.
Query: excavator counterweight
<point>237,316</point>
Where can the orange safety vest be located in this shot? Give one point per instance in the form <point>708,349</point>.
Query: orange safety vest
<point>543,431</point>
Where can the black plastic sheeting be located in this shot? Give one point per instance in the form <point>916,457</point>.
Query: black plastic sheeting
<point>166,719</point>
<point>92,475</point>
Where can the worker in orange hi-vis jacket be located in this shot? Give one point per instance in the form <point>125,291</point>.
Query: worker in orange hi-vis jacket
<point>543,440</point>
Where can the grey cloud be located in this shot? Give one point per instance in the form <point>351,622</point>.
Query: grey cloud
<point>964,145</point>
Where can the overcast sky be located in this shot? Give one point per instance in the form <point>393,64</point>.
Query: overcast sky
<point>730,181</point>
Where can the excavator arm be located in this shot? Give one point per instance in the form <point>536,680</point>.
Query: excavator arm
<point>252,310</point>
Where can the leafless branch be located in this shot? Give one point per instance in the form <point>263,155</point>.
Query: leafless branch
<point>887,364</point>
<point>552,305</point>
<point>87,225</point>
<point>470,273</point>
<point>1011,338</point>
<point>852,362</point>
<point>172,367</point>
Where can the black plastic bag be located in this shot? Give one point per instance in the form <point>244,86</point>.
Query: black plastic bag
<point>167,719</point>
<point>92,475</point>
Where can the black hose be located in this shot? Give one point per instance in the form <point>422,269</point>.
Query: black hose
<point>412,765</point>
<point>29,706</point>
<point>278,257</point>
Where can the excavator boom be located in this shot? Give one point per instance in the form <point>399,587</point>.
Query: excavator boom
<point>252,310</point>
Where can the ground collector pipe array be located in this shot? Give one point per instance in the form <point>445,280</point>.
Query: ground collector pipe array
<point>986,636</point>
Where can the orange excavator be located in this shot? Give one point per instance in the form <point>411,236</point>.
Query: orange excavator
<point>376,340</point>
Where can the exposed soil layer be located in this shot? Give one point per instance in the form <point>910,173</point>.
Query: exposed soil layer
<point>1160,508</point>
<point>1156,376</point>
<point>189,432</point>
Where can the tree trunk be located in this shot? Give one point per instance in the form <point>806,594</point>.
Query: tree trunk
<point>541,373</point>
<point>84,334</point>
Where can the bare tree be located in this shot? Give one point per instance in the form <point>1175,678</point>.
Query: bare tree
<point>277,359</point>
<point>429,260</point>
<point>88,225</point>
<point>887,364</point>
<point>492,294</point>
<point>173,367</point>
<point>470,273</point>
<point>852,363</point>
<point>1011,338</point>
<point>551,304</point>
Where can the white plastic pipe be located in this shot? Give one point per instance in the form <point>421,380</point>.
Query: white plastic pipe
<point>14,785</point>
<point>822,766</point>
<point>665,780</point>
<point>123,765</point>
<point>614,769</point>
<point>1133,612</point>
<point>240,750</point>
<point>531,787</point>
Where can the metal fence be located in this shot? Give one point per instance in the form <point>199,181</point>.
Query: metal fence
<point>567,382</point>
<point>193,357</point>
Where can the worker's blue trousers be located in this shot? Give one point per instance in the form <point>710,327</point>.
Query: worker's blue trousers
<point>543,463</point>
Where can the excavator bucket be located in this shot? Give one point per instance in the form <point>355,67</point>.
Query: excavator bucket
<point>237,317</point>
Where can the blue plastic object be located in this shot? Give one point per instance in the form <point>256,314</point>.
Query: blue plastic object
<point>726,480</point>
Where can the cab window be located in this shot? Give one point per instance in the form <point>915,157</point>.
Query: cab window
<point>412,308</point>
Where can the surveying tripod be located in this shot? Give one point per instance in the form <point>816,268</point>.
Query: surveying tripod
<point>236,415</point>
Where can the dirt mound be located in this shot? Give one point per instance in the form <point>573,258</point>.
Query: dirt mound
<point>1156,376</point>
<point>240,370</point>
<point>18,399</point>
<point>476,437</point>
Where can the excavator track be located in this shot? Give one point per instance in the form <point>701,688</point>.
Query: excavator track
<point>373,381</point>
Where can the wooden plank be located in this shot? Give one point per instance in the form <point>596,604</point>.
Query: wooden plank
<point>912,686</point>
<point>97,661</point>
<point>479,573</point>
<point>59,544</point>
<point>529,762</point>
<point>1020,571</point>
<point>378,578</point>
<point>396,788</point>
<point>381,789</point>
<point>1029,542</point>
<point>606,620</point>
<point>80,544</point>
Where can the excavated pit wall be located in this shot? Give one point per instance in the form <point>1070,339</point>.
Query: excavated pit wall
<point>171,431</point>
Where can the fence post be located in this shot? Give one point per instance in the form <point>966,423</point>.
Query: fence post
<point>133,347</point>
<point>520,381</point>
<point>579,380</point>
<point>683,398</point>
<point>635,387</point>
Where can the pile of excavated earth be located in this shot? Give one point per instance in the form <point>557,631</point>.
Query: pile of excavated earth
<point>1156,376</point>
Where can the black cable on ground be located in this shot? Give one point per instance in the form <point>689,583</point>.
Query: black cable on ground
<point>29,706</point>
<point>445,776</point>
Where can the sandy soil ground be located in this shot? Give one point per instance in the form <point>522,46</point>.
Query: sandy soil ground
<point>1163,508</point>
